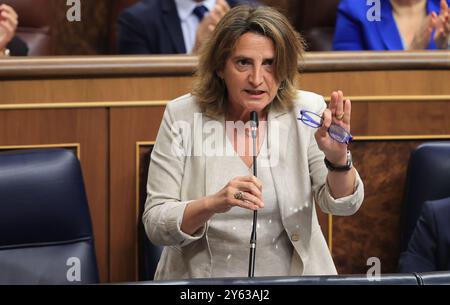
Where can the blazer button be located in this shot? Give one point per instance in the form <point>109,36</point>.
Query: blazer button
<point>295,237</point>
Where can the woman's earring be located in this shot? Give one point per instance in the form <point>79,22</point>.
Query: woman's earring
<point>222,81</point>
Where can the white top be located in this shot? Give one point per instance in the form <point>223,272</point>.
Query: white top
<point>189,22</point>
<point>229,233</point>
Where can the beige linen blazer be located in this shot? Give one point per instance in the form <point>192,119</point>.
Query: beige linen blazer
<point>181,170</point>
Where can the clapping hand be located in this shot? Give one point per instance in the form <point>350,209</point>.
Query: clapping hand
<point>8,25</point>
<point>208,24</point>
<point>441,24</point>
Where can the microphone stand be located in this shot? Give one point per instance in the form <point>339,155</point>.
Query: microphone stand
<point>254,130</point>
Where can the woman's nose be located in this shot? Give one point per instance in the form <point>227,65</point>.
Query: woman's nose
<point>256,76</point>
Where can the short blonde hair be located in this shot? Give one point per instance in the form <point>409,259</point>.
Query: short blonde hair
<point>210,89</point>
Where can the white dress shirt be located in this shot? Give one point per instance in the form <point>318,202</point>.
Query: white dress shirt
<point>229,233</point>
<point>190,22</point>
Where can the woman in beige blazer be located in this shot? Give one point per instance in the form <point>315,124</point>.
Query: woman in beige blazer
<point>201,190</point>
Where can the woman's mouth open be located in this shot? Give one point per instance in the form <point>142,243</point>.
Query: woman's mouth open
<point>254,93</point>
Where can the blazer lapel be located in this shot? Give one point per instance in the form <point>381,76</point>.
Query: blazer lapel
<point>387,28</point>
<point>295,214</point>
<point>277,142</point>
<point>172,23</point>
<point>212,161</point>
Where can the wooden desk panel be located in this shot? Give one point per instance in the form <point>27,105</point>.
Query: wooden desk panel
<point>93,90</point>
<point>129,126</point>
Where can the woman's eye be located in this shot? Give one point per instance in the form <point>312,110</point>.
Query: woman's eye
<point>268,62</point>
<point>242,62</point>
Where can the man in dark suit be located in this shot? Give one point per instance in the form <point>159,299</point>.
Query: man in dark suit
<point>170,26</point>
<point>429,246</point>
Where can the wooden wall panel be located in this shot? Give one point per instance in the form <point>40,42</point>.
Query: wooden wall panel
<point>93,90</point>
<point>86,37</point>
<point>374,83</point>
<point>128,126</point>
<point>374,231</point>
<point>86,127</point>
<point>400,118</point>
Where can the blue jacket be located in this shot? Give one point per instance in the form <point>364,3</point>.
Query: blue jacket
<point>153,27</point>
<point>355,32</point>
<point>429,246</point>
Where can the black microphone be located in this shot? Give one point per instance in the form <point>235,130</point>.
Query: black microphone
<point>254,124</point>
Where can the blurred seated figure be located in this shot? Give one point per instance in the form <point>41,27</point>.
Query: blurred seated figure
<point>169,26</point>
<point>429,246</point>
<point>9,43</point>
<point>392,25</point>
<point>316,21</point>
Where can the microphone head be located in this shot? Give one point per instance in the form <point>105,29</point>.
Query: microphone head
<point>254,118</point>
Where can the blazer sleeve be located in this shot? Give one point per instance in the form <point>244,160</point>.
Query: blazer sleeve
<point>420,256</point>
<point>348,34</point>
<point>342,206</point>
<point>131,35</point>
<point>164,209</point>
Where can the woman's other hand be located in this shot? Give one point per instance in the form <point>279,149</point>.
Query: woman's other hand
<point>338,112</point>
<point>422,38</point>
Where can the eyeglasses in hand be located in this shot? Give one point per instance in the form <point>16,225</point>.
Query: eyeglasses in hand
<point>335,131</point>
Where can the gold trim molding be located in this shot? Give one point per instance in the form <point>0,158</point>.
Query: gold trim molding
<point>32,106</point>
<point>77,147</point>
<point>401,138</point>
<point>396,98</point>
<point>157,103</point>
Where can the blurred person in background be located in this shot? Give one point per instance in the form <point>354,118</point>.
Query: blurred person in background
<point>9,43</point>
<point>170,26</point>
<point>429,247</point>
<point>401,25</point>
